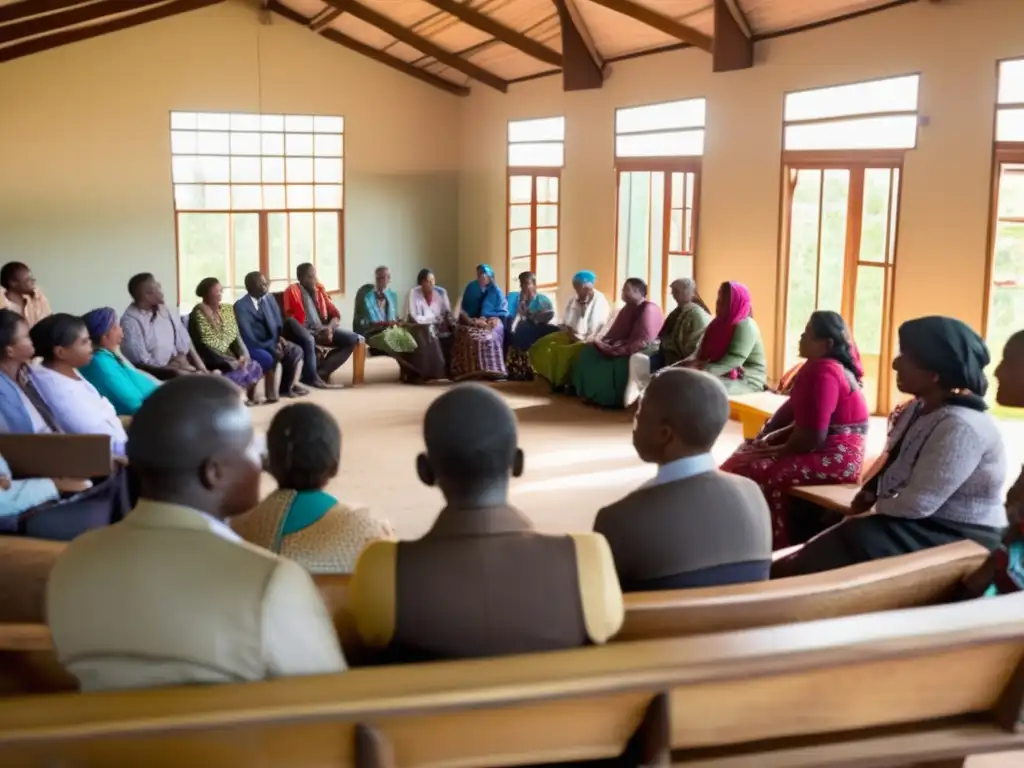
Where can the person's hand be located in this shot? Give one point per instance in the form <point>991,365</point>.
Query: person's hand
<point>243,361</point>
<point>5,483</point>
<point>235,364</point>
<point>325,335</point>
<point>71,485</point>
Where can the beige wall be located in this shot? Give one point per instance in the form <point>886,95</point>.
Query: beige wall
<point>85,190</point>
<point>943,226</point>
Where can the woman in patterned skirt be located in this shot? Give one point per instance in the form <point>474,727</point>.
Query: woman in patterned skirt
<point>214,332</point>
<point>529,319</point>
<point>478,351</point>
<point>817,437</point>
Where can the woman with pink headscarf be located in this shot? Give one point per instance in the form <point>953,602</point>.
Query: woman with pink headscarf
<point>731,348</point>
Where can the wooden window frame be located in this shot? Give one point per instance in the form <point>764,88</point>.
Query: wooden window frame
<point>534,172</point>
<point>668,166</point>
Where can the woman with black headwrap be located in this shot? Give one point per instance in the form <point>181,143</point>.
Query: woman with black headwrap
<point>945,464</point>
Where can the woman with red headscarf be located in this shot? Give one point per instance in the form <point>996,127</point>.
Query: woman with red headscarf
<point>817,437</point>
<point>731,348</point>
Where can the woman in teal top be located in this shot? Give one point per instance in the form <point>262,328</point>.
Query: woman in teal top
<point>114,377</point>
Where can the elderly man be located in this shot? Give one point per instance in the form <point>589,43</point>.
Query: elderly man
<point>679,338</point>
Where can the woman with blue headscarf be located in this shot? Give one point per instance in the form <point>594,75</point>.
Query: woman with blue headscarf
<point>114,377</point>
<point>478,351</point>
<point>584,319</point>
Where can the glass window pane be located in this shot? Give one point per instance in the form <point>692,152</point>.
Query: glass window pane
<point>519,217</point>
<point>547,269</point>
<point>328,145</point>
<point>536,155</point>
<point>298,123</point>
<point>868,302</point>
<point>188,196</point>
<point>547,240</point>
<point>543,129</point>
<point>655,284</point>
<point>547,215</point>
<point>300,195</point>
<point>894,211</point>
<point>327,196</point>
<point>272,122</point>
<point>299,170</point>
<point>213,121</point>
<point>273,169</point>
<point>245,122</point>
<point>300,238</point>
<point>1006,297</point>
<point>213,169</point>
<point>327,124</point>
<point>520,189</point>
<point>246,197</point>
<point>328,251</point>
<point>327,170</point>
<point>894,94</point>
<point>675,144</point>
<point>675,231</point>
<point>863,133</point>
<point>832,259</point>
<point>298,144</point>
<point>216,197</point>
<point>1011,191</point>
<point>802,287</point>
<point>245,143</point>
<point>874,245</point>
<point>246,231</point>
<point>547,189</point>
<point>209,143</point>
<point>183,120</point>
<point>674,114</point>
<point>203,249</point>
<point>519,243</point>
<point>679,266</point>
<point>1010,125</point>
<point>184,142</point>
<point>277,250</point>
<point>245,170</point>
<point>1011,82</point>
<point>273,197</point>
<point>678,182</point>
<point>633,209</point>
<point>518,265</point>
<point>690,181</point>
<point>273,144</point>
<point>184,169</point>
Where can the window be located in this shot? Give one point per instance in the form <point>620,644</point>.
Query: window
<point>257,192</point>
<point>536,153</point>
<point>843,160</point>
<point>658,149</point>
<point>1005,311</point>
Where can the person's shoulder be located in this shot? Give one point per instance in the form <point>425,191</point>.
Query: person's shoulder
<point>744,485</point>
<point>960,420</point>
<point>359,520</point>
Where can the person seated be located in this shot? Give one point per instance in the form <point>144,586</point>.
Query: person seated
<point>63,342</point>
<point>20,496</point>
<point>678,339</point>
<point>482,581</point>
<point>691,525</point>
<point>155,341</point>
<point>479,348</point>
<point>376,318</point>
<point>214,332</point>
<point>732,348</point>
<point>583,321</point>
<point>260,326</point>
<point>113,377</point>
<point>300,520</point>
<point>84,503</point>
<point>429,313</point>
<point>22,294</point>
<point>942,478</point>
<point>171,595</point>
<point>318,320</point>
<point>599,375</point>
<point>816,437</point>
<point>529,320</point>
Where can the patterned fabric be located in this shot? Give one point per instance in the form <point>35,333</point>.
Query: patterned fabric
<point>838,461</point>
<point>152,337</point>
<point>518,363</point>
<point>477,353</point>
<point>682,332</point>
<point>218,337</point>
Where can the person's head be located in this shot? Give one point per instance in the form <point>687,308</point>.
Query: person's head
<point>381,279</point>
<point>484,275</point>
<point>470,466</point>
<point>634,290</point>
<point>303,447</point>
<point>17,278</point>
<point>145,291</point>
<point>15,342</point>
<point>942,359</point>
<point>684,290</point>
<point>682,413</point>
<point>528,283</point>
<point>192,443</point>
<point>1010,373</point>
<point>425,280</point>
<point>583,284</point>
<point>104,330</point>
<point>256,285</point>
<point>306,275</point>
<point>826,335</point>
<point>733,302</point>
<point>62,338</point>
<point>209,291</point>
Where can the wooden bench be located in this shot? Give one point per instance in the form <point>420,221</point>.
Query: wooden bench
<point>82,456</point>
<point>837,498</point>
<point>895,689</point>
<point>752,411</point>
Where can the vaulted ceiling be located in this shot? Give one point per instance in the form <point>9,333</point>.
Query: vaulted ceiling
<point>453,44</point>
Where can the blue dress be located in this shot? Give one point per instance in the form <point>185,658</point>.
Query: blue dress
<point>117,380</point>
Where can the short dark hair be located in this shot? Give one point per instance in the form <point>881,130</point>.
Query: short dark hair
<point>303,269</point>
<point>137,281</point>
<point>59,330</point>
<point>423,275</point>
<point>477,454</point>
<point>251,278</point>
<point>303,446</point>
<point>525,276</point>
<point>694,404</point>
<point>205,286</point>
<point>9,320</point>
<point>639,284</point>
<point>9,271</point>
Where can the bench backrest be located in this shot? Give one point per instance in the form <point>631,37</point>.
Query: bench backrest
<point>81,456</point>
<point>921,684</point>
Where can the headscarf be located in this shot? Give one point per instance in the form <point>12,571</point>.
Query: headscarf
<point>718,335</point>
<point>486,269</point>
<point>484,302</point>
<point>585,276</point>
<point>952,350</point>
<point>99,321</point>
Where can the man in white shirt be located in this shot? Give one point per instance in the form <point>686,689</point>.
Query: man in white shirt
<point>171,595</point>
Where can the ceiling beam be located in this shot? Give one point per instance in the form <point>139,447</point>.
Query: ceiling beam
<point>58,39</point>
<point>400,33</point>
<point>474,18</point>
<point>41,25</point>
<point>324,19</point>
<point>654,19</point>
<point>27,8</point>
<point>370,52</point>
<point>582,68</point>
<point>733,48</point>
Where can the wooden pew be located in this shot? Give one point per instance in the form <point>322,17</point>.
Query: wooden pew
<point>895,689</point>
<point>838,498</point>
<point>752,411</point>
<point>83,456</point>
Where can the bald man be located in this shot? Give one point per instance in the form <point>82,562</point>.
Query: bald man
<point>171,595</point>
<point>692,525</point>
<point>482,581</point>
<point>678,340</point>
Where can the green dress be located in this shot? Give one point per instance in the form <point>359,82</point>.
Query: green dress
<point>746,351</point>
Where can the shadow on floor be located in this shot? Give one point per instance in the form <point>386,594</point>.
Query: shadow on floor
<point>565,411</point>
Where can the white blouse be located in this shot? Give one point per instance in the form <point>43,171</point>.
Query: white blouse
<point>587,320</point>
<point>427,313</point>
<point>78,408</point>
